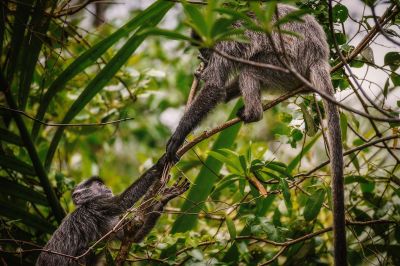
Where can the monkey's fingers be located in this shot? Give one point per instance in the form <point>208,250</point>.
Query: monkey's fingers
<point>184,186</point>
<point>173,145</point>
<point>176,184</point>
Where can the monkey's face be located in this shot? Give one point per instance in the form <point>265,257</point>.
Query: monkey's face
<point>89,190</point>
<point>98,188</point>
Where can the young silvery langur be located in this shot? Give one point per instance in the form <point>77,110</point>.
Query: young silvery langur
<point>308,54</point>
<point>98,211</point>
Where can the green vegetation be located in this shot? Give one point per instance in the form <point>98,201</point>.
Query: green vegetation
<point>78,100</point>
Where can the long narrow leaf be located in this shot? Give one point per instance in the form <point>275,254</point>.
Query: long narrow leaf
<point>232,254</point>
<point>33,44</point>
<point>3,14</point>
<point>17,165</point>
<point>298,158</point>
<point>12,212</point>
<point>101,80</point>
<point>10,137</point>
<point>11,188</point>
<point>58,211</point>
<point>91,55</point>
<point>18,30</point>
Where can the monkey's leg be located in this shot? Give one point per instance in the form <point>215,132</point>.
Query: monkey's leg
<point>232,90</point>
<point>250,88</point>
<point>215,76</point>
<point>206,100</point>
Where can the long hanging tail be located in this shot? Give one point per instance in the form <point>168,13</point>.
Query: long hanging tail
<point>320,78</point>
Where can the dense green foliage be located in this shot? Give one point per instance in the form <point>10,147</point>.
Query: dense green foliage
<point>261,192</point>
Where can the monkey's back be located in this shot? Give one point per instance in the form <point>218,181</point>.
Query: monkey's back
<point>302,51</point>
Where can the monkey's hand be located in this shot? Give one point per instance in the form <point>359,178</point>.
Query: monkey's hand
<point>180,187</point>
<point>173,145</point>
<point>249,115</point>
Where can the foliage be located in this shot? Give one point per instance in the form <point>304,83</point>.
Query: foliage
<point>260,192</point>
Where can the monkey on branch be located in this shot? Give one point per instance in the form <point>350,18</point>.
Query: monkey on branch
<point>98,213</point>
<point>304,53</point>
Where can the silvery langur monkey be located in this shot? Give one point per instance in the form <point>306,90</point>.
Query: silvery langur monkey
<point>98,211</point>
<point>308,54</point>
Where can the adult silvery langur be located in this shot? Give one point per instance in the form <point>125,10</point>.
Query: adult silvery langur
<point>225,79</point>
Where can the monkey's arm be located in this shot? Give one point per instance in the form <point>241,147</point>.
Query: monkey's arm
<point>232,90</point>
<point>215,76</point>
<point>133,193</point>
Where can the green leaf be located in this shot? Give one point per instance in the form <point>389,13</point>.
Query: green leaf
<point>298,158</point>
<point>12,188</point>
<point>236,15</point>
<point>340,13</point>
<point>368,55</point>
<point>278,168</point>
<point>9,210</point>
<point>101,80</point>
<point>90,56</point>
<point>392,59</point>
<point>296,134</point>
<point>286,194</point>
<point>226,182</point>
<point>243,163</point>
<point>198,22</point>
<point>340,38</point>
<point>221,26</point>
<point>38,27</point>
<point>367,187</point>
<point>242,186</point>
<point>231,227</point>
<point>10,137</point>
<point>233,162</point>
<point>169,34</point>
<point>395,79</point>
<point>23,11</point>
<point>293,16</point>
<point>314,204</point>
<point>13,163</point>
<point>354,160</point>
<point>310,126</point>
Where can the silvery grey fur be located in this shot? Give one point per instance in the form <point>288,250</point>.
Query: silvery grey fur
<point>307,54</point>
<point>98,211</point>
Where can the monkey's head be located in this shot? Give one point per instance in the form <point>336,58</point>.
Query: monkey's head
<point>90,189</point>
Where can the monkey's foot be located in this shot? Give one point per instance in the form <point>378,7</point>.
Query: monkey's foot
<point>252,115</point>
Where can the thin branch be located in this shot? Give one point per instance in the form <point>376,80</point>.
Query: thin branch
<point>381,30</point>
<point>65,125</point>
<point>348,152</point>
<point>209,133</point>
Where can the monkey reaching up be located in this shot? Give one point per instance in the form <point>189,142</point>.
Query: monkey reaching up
<point>225,79</point>
<point>98,212</point>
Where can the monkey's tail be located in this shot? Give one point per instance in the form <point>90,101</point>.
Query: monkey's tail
<point>321,80</point>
